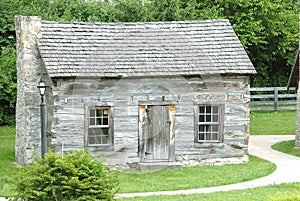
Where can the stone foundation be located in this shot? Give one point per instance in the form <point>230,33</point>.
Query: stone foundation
<point>181,163</point>
<point>216,161</point>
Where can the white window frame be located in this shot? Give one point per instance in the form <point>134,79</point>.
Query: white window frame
<point>93,124</point>
<point>209,123</point>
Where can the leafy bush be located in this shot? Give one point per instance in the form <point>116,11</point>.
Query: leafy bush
<point>8,86</point>
<point>76,176</point>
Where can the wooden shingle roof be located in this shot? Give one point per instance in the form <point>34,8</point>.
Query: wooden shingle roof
<point>142,49</point>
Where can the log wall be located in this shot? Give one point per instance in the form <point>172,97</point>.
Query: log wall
<point>72,96</point>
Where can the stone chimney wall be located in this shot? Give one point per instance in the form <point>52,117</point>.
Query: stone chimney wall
<point>29,68</point>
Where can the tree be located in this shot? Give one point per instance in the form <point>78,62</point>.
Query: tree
<point>165,10</point>
<point>131,11</point>
<point>58,10</point>
<point>267,29</point>
<point>8,86</point>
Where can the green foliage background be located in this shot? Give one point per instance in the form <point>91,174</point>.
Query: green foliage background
<point>267,29</point>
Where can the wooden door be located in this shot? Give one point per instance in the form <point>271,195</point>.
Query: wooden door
<point>157,133</point>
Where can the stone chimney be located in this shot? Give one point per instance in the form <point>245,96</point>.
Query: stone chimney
<point>29,68</point>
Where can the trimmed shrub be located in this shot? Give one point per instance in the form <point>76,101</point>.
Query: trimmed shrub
<point>76,176</point>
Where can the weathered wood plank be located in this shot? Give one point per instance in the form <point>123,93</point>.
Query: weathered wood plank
<point>276,98</point>
<point>264,96</point>
<point>280,102</point>
<point>271,89</point>
<point>272,108</point>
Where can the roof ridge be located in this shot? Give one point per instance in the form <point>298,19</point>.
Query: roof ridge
<point>146,22</point>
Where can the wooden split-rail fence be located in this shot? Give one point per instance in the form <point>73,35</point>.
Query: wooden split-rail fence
<point>273,98</point>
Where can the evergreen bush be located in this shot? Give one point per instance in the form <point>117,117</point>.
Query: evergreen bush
<point>76,176</point>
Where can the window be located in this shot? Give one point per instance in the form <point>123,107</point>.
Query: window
<point>99,127</point>
<point>208,124</point>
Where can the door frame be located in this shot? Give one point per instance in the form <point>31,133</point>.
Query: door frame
<point>142,114</point>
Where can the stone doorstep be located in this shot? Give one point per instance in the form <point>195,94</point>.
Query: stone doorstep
<point>296,147</point>
<point>157,165</point>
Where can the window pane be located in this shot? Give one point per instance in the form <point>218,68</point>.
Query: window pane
<point>99,116</point>
<point>105,121</point>
<point>214,129</point>
<point>201,136</point>
<point>104,131</point>
<point>208,118</point>
<point>201,129</point>
<point>208,128</point>
<point>98,136</point>
<point>98,122</point>
<point>92,121</point>
<point>208,109</point>
<point>105,112</point>
<point>92,113</point>
<point>215,118</point>
<point>92,140</point>
<point>208,136</point>
<point>201,118</point>
<point>214,136</point>
<point>99,112</point>
<point>94,134</point>
<point>94,131</point>
<point>215,109</point>
<point>104,136</point>
<point>201,109</point>
<point>104,139</point>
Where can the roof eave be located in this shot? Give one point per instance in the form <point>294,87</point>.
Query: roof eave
<point>71,75</point>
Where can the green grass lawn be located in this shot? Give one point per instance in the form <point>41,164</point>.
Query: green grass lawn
<point>273,123</point>
<point>287,147</point>
<point>193,177</point>
<point>268,193</point>
<point>282,122</point>
<point>7,157</point>
<point>183,178</point>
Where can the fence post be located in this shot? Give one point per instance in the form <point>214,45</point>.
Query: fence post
<point>275,99</point>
